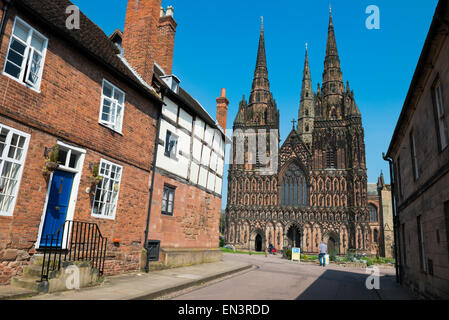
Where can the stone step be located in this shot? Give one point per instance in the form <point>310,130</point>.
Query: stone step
<point>31,284</point>
<point>35,272</point>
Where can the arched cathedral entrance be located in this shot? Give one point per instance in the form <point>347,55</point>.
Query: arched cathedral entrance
<point>258,243</point>
<point>333,244</point>
<point>294,237</point>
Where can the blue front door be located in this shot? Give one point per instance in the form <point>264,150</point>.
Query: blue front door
<point>58,203</point>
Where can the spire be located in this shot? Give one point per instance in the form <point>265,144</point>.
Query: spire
<point>260,91</point>
<point>306,107</point>
<point>261,55</point>
<point>332,75</point>
<point>306,91</point>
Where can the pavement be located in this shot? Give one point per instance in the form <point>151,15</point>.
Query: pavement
<point>148,286</point>
<point>236,277</point>
<point>10,292</point>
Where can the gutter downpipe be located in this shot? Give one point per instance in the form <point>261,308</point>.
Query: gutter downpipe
<point>397,255</point>
<point>6,4</point>
<point>156,146</point>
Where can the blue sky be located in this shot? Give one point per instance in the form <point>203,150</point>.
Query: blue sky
<point>216,46</point>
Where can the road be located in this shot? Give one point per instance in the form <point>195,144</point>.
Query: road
<point>273,278</point>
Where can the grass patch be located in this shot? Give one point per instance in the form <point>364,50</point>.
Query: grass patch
<point>240,252</point>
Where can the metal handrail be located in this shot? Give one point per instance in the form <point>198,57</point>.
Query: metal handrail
<point>76,241</point>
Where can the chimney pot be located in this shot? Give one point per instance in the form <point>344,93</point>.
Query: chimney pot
<point>162,12</point>
<point>222,109</point>
<point>170,11</point>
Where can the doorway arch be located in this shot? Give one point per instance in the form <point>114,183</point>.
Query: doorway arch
<point>257,241</point>
<point>333,244</point>
<point>294,236</point>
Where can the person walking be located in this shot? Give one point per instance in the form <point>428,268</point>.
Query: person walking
<point>323,251</point>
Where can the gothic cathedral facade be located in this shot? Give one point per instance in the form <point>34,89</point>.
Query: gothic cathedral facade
<point>316,189</point>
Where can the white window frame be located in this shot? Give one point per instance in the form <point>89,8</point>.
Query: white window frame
<point>102,215</point>
<point>26,57</point>
<point>441,115</point>
<point>109,124</point>
<point>174,152</point>
<point>20,162</point>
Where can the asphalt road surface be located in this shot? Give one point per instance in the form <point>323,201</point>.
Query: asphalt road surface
<point>273,278</point>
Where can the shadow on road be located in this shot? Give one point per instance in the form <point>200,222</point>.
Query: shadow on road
<point>344,285</point>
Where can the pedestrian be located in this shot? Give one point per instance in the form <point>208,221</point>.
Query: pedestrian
<point>323,251</point>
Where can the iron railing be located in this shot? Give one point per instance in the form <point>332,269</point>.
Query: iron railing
<point>74,241</point>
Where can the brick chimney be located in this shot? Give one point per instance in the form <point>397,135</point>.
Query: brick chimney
<point>222,109</point>
<point>149,37</point>
<point>167,31</point>
<point>141,36</point>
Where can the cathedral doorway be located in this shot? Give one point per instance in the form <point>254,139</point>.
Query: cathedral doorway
<point>294,237</point>
<point>258,243</point>
<point>333,246</point>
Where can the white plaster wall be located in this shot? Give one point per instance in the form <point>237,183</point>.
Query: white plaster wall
<point>213,161</point>
<point>197,149</point>
<point>177,166</point>
<point>185,120</point>
<point>184,143</point>
<point>194,170</point>
<point>170,110</point>
<point>217,138</point>
<point>202,180</point>
<point>209,135</point>
<point>205,159</point>
<point>211,182</point>
<point>220,166</point>
<point>199,128</point>
<point>218,185</point>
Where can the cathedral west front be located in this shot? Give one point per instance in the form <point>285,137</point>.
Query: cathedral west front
<point>314,188</point>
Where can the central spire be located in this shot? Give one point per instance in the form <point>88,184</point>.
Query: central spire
<point>260,91</point>
<point>332,75</point>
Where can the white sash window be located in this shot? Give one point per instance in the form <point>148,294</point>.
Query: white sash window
<point>112,105</point>
<point>13,149</point>
<point>106,193</point>
<point>26,54</point>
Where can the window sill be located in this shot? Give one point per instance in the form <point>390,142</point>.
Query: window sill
<point>112,129</point>
<point>22,83</point>
<point>167,215</point>
<point>3,214</point>
<point>99,216</point>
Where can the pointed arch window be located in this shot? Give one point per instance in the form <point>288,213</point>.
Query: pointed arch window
<point>294,187</point>
<point>373,213</point>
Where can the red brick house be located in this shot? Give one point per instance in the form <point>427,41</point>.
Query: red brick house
<point>77,91</point>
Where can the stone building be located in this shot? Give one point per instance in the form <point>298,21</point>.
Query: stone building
<point>99,102</point>
<point>312,188</point>
<point>419,156</point>
<point>381,218</point>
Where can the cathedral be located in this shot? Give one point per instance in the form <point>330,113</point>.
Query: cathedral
<point>314,188</point>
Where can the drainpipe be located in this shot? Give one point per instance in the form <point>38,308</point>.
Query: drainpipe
<point>156,146</point>
<point>6,4</point>
<point>397,255</point>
